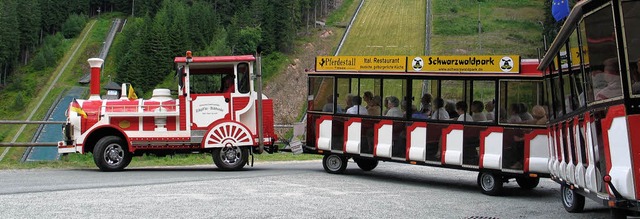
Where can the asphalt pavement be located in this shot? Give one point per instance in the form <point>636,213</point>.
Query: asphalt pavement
<point>272,190</point>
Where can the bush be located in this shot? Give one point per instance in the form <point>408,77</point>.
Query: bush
<point>52,49</point>
<point>18,103</point>
<point>73,26</point>
<point>248,40</point>
<point>39,62</point>
<point>272,64</point>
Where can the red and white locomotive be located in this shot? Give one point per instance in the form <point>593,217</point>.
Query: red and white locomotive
<point>217,111</point>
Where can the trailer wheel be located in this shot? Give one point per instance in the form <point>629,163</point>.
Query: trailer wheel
<point>527,183</point>
<point>366,164</point>
<point>490,183</point>
<point>571,200</point>
<point>334,163</point>
<point>111,154</point>
<point>230,158</point>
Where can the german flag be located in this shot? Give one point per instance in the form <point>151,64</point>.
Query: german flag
<point>75,107</point>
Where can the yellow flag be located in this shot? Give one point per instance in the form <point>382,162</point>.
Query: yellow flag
<point>132,94</point>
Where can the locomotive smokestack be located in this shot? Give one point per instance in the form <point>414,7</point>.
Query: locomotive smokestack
<point>95,64</point>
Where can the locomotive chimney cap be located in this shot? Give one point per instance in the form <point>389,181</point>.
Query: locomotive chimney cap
<point>95,62</point>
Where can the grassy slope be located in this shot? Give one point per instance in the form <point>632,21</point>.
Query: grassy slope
<point>392,27</point>
<point>508,27</point>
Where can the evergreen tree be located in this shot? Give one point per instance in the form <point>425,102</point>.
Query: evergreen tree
<point>218,45</point>
<point>9,38</point>
<point>285,23</point>
<point>207,22</point>
<point>142,62</point>
<point>157,47</point>
<point>29,16</point>
<point>178,35</point>
<point>266,14</point>
<point>150,7</point>
<point>77,6</point>
<point>73,26</point>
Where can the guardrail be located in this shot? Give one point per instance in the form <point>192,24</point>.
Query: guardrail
<point>29,144</point>
<point>30,122</point>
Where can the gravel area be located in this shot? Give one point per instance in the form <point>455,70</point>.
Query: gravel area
<point>288,89</point>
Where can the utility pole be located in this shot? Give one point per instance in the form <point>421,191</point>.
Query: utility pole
<point>133,6</point>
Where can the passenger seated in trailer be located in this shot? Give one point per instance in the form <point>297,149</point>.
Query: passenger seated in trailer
<point>490,114</point>
<point>514,114</point>
<point>597,79</point>
<point>439,112</point>
<point>525,116</point>
<point>357,108</point>
<point>450,107</point>
<point>476,111</point>
<point>374,107</point>
<point>328,107</point>
<point>349,101</point>
<point>612,76</point>
<point>425,103</point>
<point>461,108</point>
<point>367,97</point>
<point>539,115</point>
<point>394,110</point>
<point>386,105</point>
<point>415,113</point>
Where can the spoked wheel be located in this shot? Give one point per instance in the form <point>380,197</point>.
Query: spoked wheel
<point>230,158</point>
<point>527,183</point>
<point>111,154</point>
<point>572,201</point>
<point>490,183</point>
<point>334,163</point>
<point>366,164</point>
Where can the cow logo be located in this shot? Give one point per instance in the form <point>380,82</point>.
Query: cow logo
<point>506,64</point>
<point>417,63</point>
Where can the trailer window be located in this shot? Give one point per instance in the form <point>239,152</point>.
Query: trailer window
<point>370,93</point>
<point>394,92</point>
<point>603,58</point>
<point>482,108</point>
<point>320,96</point>
<point>423,92</point>
<point>345,93</point>
<point>520,101</point>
